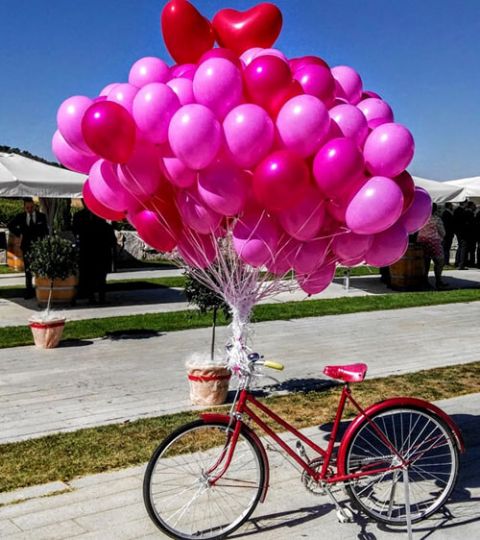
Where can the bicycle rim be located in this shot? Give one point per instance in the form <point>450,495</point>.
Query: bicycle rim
<point>177,492</point>
<point>425,442</point>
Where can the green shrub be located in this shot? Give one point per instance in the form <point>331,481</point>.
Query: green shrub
<point>9,208</point>
<point>53,257</point>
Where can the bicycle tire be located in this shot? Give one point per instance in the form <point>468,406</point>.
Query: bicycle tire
<point>189,452</point>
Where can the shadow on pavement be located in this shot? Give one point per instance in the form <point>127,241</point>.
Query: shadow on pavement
<point>65,343</point>
<point>117,335</point>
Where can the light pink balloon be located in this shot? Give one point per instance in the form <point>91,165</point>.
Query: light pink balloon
<point>317,281</point>
<point>304,220</point>
<point>351,121</point>
<point>376,207</point>
<point>70,157</point>
<point>303,124</point>
<point>350,82</point>
<point>178,173</point>
<point>107,189</point>
<point>123,94</point>
<point>218,85</point>
<point>148,70</point>
<point>69,120</point>
<point>376,111</point>
<point>107,89</point>
<point>197,250</point>
<point>250,54</point>
<point>153,109</point>
<point>419,213</point>
<point>184,90</point>
<point>388,246</point>
<point>249,134</point>
<point>195,135</point>
<point>310,255</point>
<point>195,213</point>
<point>224,187</point>
<point>351,247</point>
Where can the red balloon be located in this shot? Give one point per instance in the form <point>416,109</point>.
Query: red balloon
<point>99,209</point>
<point>109,131</point>
<point>281,180</point>
<point>407,185</point>
<point>259,26</point>
<point>186,32</point>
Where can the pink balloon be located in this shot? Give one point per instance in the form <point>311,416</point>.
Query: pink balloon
<point>388,150</point>
<point>272,52</point>
<point>317,281</point>
<point>69,120</point>
<point>221,52</point>
<point>369,94</point>
<point>123,94</point>
<point>69,157</point>
<point>248,56</point>
<point>337,164</point>
<point>255,238</point>
<point>153,109</point>
<point>178,173</point>
<point>195,213</point>
<point>195,135</point>
<point>351,122</point>
<point>281,180</point>
<point>249,134</point>
<point>388,246</point>
<point>350,82</point>
<point>107,189</point>
<point>298,63</point>
<point>351,247</point>
<point>218,85</point>
<point>419,213</point>
<point>224,188</point>
<point>107,89</point>
<point>303,124</point>
<point>148,70</point>
<point>197,250</point>
<point>97,207</point>
<point>184,90</point>
<point>304,220</point>
<point>186,71</point>
<point>316,80</point>
<point>376,111</point>
<point>310,255</point>
<point>109,131</point>
<point>376,207</point>
<point>154,229</point>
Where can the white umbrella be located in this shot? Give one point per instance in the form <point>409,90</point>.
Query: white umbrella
<point>441,192</point>
<point>470,186</point>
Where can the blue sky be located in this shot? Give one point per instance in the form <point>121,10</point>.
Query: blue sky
<point>422,56</point>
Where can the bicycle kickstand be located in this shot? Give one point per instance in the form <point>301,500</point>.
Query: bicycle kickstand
<point>344,514</point>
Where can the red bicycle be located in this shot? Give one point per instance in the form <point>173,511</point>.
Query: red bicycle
<point>398,461</point>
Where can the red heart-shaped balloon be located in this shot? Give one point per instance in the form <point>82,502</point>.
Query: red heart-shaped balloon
<point>241,30</point>
<point>186,32</point>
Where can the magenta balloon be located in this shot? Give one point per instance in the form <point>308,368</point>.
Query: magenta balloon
<point>186,71</point>
<point>69,157</point>
<point>107,189</point>
<point>419,213</point>
<point>351,247</point>
<point>218,85</point>
<point>316,80</point>
<point>388,246</point>
<point>197,250</point>
<point>221,52</point>
<point>248,56</point>
<point>109,131</point>
<point>317,281</point>
<point>153,109</point>
<point>123,94</point>
<point>351,121</point>
<point>376,111</point>
<point>107,89</point>
<point>310,255</point>
<point>304,220</point>
<point>69,120</point>
<point>376,207</point>
<point>370,94</point>
<point>178,173</point>
<point>184,90</point>
<point>148,70</point>
<point>195,135</point>
<point>350,82</point>
<point>338,163</point>
<point>303,124</point>
<point>272,52</point>
<point>154,230</point>
<point>224,187</point>
<point>283,257</point>
<point>255,238</point>
<point>388,150</point>
<point>97,207</point>
<point>195,213</point>
<point>249,134</point>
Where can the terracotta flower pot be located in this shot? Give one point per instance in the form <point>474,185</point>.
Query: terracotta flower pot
<point>63,292</point>
<point>47,334</point>
<point>208,384</point>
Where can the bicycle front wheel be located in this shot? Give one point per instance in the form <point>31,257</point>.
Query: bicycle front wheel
<point>426,444</point>
<point>181,491</point>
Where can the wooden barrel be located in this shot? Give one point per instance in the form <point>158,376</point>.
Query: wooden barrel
<point>14,253</point>
<point>64,290</point>
<point>408,274</point>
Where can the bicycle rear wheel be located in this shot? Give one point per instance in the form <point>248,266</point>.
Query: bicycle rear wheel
<point>177,491</point>
<point>421,439</point>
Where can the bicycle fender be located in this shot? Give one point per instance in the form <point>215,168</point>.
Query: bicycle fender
<point>225,419</point>
<point>389,404</point>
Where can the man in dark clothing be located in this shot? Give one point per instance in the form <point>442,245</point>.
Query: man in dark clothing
<point>30,226</point>
<point>448,223</point>
<point>460,219</point>
<point>471,233</point>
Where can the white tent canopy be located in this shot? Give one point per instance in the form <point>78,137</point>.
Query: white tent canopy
<point>24,177</point>
<point>470,186</point>
<point>441,192</point>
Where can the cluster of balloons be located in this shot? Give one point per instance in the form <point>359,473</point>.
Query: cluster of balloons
<point>288,161</point>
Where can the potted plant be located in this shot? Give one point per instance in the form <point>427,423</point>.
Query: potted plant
<point>53,261</point>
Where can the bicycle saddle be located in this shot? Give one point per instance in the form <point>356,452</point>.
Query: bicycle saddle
<point>349,373</point>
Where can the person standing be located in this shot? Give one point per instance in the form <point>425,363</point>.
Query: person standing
<point>431,236</point>
<point>460,224</point>
<point>448,224</point>
<point>30,225</point>
<point>470,232</point>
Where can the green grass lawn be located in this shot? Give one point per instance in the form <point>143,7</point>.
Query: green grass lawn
<point>4,269</point>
